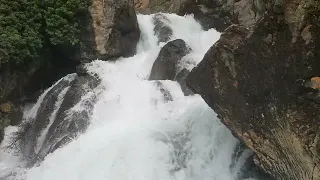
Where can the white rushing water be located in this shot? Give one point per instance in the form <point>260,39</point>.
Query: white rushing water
<point>134,134</point>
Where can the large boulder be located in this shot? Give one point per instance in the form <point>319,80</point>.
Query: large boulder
<point>264,85</point>
<point>55,122</point>
<point>166,65</point>
<point>109,30</point>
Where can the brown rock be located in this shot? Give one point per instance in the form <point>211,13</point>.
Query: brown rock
<point>109,30</point>
<point>266,108</point>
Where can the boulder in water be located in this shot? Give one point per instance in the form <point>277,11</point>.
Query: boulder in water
<point>56,122</point>
<point>166,65</point>
<point>263,85</point>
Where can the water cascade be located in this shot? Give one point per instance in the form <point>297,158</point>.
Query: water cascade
<point>125,127</point>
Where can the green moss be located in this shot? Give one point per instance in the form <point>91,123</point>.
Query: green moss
<point>26,26</point>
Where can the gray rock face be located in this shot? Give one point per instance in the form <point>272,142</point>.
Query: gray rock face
<point>110,30</point>
<point>166,65</point>
<point>56,123</point>
<point>264,85</point>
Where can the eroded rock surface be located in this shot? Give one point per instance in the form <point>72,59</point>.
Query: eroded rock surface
<point>109,30</point>
<point>63,114</point>
<point>263,83</point>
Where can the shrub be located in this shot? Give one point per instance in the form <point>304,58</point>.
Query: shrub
<point>26,26</point>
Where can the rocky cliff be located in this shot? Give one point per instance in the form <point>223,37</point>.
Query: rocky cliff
<point>262,78</point>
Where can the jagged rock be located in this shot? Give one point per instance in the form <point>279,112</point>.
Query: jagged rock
<point>161,28</point>
<point>68,126</point>
<point>56,123</point>
<point>166,65</point>
<point>109,30</point>
<point>251,79</point>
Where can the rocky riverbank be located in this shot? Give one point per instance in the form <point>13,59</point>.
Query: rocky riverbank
<point>262,80</point>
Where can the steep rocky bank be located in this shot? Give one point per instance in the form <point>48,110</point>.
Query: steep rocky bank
<point>262,79</point>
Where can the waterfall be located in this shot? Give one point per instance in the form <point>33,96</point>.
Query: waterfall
<point>135,132</point>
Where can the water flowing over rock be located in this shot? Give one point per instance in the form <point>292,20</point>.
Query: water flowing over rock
<point>109,30</point>
<point>162,28</point>
<point>59,116</point>
<point>263,84</point>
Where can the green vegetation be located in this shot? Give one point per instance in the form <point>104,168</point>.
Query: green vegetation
<point>313,12</point>
<point>26,26</point>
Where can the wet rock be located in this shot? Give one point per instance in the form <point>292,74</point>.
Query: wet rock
<point>56,123</point>
<point>109,30</point>
<point>69,123</point>
<point>248,170</point>
<point>161,28</point>
<point>255,87</point>
<point>181,79</point>
<point>81,70</point>
<point>166,94</point>
<point>39,123</point>
<point>166,65</point>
